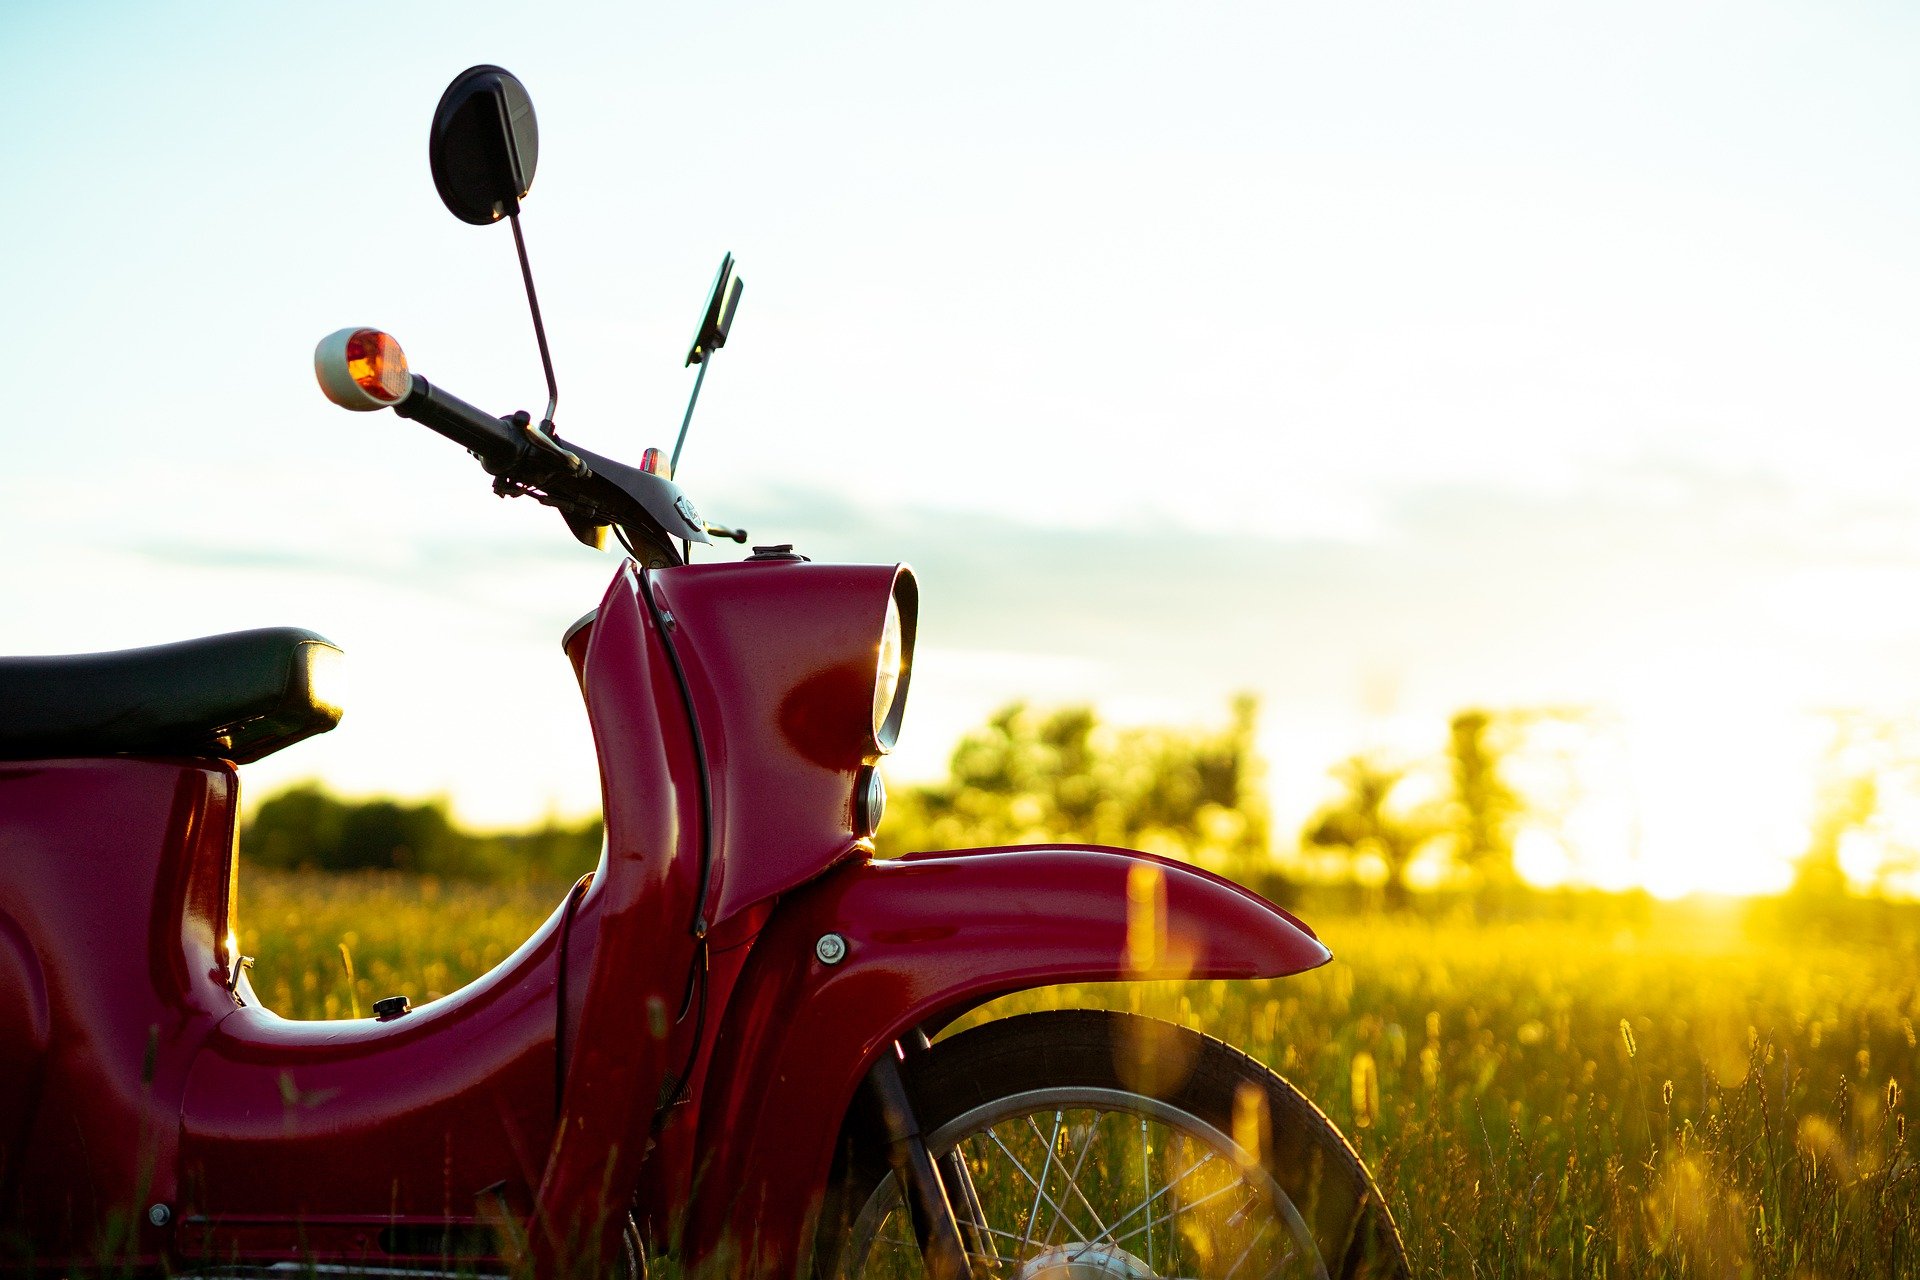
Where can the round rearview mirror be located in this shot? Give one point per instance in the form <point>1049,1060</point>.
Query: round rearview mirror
<point>484,145</point>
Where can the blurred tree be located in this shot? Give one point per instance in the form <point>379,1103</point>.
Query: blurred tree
<point>1031,777</point>
<point>298,827</point>
<point>407,837</point>
<point>1485,809</point>
<point>1363,822</point>
<point>1846,804</point>
<point>1234,770</point>
<point>305,826</point>
<point>1868,768</point>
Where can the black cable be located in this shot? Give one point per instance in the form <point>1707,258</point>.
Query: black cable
<point>706,827</point>
<point>699,750</point>
<point>684,1081</point>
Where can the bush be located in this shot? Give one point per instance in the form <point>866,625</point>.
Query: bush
<point>307,826</point>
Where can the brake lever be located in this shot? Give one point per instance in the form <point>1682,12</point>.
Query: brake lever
<point>543,439</point>
<point>722,531</point>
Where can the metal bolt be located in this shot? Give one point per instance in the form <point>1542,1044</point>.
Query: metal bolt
<point>159,1215</point>
<point>831,949</point>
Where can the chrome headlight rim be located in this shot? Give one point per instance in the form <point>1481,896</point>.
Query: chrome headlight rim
<point>895,651</point>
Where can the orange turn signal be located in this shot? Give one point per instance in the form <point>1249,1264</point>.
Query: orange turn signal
<point>362,369</point>
<point>377,364</point>
<point>655,463</point>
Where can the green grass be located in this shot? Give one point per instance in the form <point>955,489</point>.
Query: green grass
<point>1682,1094</point>
<point>406,935</point>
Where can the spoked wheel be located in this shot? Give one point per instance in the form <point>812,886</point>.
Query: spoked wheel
<point>1105,1145</point>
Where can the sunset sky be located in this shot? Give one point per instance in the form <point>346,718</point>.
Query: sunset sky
<point>1379,358</point>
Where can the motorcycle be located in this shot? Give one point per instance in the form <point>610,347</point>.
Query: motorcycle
<point>730,1045</point>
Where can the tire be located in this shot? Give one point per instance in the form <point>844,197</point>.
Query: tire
<point>1007,1092</point>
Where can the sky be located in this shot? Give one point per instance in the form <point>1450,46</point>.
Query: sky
<point>1380,358</point>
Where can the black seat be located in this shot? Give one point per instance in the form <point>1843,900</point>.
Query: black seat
<point>235,697</point>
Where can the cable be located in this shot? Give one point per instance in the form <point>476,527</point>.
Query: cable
<point>699,972</point>
<point>699,750</point>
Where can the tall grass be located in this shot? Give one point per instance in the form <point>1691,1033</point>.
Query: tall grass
<point>1555,1099</point>
<point>403,935</point>
<point>1684,1094</point>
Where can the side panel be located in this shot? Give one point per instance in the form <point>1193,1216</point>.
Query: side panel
<point>113,885</point>
<point>354,1141</point>
<point>331,1140</point>
<point>925,935</point>
<point>25,1029</point>
<point>643,949</point>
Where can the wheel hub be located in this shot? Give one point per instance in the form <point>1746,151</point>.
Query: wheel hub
<point>1086,1262</point>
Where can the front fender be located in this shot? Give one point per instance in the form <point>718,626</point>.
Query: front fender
<point>927,937</point>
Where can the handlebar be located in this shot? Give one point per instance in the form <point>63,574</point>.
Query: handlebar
<point>589,489</point>
<point>491,439</point>
<point>362,369</point>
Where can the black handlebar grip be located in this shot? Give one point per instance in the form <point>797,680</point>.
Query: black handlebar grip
<point>473,429</point>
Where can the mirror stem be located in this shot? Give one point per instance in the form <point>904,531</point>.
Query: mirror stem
<point>539,328</point>
<point>673,463</point>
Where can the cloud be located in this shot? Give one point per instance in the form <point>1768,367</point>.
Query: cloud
<point>1468,593</point>
<point>1655,575</point>
<point>419,561</point>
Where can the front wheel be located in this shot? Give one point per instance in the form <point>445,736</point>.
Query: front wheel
<point>1103,1144</point>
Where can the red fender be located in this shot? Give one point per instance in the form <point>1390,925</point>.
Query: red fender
<point>925,938</point>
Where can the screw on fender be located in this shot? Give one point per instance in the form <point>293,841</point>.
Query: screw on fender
<point>831,949</point>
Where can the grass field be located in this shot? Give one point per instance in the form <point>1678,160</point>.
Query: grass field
<point>1665,1092</point>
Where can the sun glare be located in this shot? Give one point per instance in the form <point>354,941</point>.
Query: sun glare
<point>1705,782</point>
<point>1722,792</point>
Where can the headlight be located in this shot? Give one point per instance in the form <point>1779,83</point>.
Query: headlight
<point>887,682</point>
<point>894,663</point>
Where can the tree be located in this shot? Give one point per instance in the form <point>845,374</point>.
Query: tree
<point>1363,821</point>
<point>305,826</point>
<point>1028,776</point>
<point>1866,777</point>
<point>1485,809</point>
<point>300,827</point>
<point>1846,803</point>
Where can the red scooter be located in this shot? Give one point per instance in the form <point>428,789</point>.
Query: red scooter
<point>723,1046</point>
